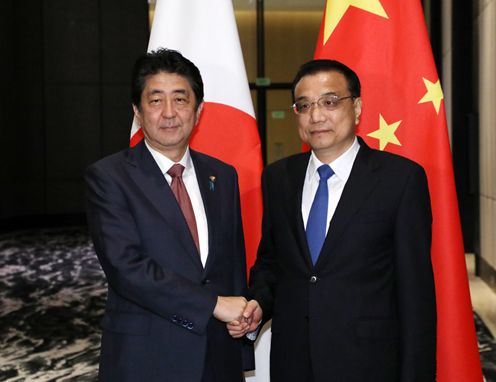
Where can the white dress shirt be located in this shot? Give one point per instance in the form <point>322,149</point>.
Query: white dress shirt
<point>342,168</point>
<point>191,184</point>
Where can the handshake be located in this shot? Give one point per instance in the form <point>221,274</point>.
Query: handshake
<point>240,315</point>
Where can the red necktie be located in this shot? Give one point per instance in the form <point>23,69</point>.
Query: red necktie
<point>179,190</point>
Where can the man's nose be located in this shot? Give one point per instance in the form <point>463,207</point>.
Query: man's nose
<point>168,110</point>
<point>316,113</point>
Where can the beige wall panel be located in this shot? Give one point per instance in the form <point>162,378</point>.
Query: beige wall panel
<point>291,37</point>
<point>247,30</point>
<point>492,259</point>
<point>486,21</point>
<point>491,230</point>
<point>487,99</point>
<point>485,228</point>
<point>483,5</point>
<point>282,135</point>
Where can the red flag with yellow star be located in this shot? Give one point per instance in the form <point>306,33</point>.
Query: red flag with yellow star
<point>386,43</point>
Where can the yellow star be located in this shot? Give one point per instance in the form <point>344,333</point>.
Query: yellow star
<point>434,94</point>
<point>336,9</point>
<point>385,133</point>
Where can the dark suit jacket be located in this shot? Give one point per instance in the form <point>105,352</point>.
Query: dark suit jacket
<point>366,310</point>
<point>158,320</point>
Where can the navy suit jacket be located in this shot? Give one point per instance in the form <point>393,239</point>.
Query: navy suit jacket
<point>366,311</point>
<point>158,323</point>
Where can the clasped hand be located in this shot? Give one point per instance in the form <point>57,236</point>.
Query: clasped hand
<point>248,322</point>
<point>240,315</point>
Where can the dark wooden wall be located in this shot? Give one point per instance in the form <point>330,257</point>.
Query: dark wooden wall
<point>64,99</point>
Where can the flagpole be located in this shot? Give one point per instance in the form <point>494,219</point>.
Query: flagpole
<point>261,91</point>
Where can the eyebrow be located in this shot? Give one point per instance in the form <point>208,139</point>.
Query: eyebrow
<point>175,91</point>
<point>322,95</point>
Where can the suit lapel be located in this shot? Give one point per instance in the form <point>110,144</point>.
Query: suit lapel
<point>296,171</point>
<point>359,186</point>
<point>145,172</point>
<point>207,181</point>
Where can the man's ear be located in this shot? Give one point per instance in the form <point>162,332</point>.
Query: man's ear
<point>137,114</point>
<point>198,112</point>
<point>358,109</point>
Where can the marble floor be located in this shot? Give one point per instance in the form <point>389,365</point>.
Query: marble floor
<point>52,294</point>
<point>484,304</point>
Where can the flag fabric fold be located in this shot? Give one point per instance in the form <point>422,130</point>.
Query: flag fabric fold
<point>386,43</point>
<point>205,32</point>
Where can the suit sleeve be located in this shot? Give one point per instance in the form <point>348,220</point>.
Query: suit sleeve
<point>131,273</point>
<point>415,281</point>
<point>240,287</point>
<point>239,244</point>
<point>262,274</point>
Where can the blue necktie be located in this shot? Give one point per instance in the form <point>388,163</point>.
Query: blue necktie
<point>317,219</point>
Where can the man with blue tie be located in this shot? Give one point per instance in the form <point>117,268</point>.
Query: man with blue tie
<point>166,225</point>
<point>343,267</point>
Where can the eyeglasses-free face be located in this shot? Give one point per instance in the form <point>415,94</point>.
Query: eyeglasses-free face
<point>167,114</point>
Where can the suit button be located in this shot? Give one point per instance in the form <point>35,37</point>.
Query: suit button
<point>313,279</point>
<point>190,325</point>
<point>206,281</point>
<point>174,318</point>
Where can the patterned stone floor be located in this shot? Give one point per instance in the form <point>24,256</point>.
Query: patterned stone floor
<point>52,294</point>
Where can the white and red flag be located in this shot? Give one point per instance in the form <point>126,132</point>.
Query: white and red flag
<point>205,32</point>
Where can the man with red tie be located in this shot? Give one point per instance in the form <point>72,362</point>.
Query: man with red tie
<point>166,225</point>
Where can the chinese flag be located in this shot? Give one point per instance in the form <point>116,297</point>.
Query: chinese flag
<point>386,43</point>
<point>205,32</point>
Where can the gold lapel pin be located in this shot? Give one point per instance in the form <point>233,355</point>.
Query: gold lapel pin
<point>211,183</point>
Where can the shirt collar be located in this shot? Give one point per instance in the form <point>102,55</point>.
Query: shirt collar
<point>341,166</point>
<point>165,163</point>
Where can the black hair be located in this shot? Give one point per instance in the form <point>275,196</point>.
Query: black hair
<point>317,66</point>
<point>169,61</point>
